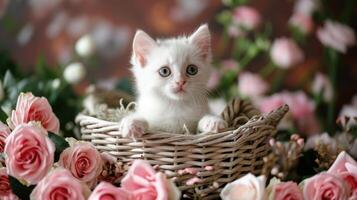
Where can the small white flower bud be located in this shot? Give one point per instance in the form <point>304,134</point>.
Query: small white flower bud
<point>85,46</point>
<point>74,73</point>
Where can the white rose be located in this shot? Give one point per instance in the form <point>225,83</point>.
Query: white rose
<point>248,187</point>
<point>74,73</point>
<point>85,46</point>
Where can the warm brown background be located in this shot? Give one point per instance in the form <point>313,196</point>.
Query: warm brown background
<point>50,28</point>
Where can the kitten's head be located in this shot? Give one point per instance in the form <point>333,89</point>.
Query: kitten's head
<point>176,69</point>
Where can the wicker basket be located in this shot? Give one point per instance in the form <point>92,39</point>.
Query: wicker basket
<point>231,153</point>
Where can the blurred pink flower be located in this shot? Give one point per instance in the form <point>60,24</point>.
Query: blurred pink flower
<point>303,22</point>
<point>251,85</point>
<point>107,191</point>
<point>246,17</point>
<point>230,65</point>
<point>322,84</point>
<point>336,36</point>
<point>325,186</point>
<point>4,132</point>
<point>286,53</point>
<point>350,110</point>
<point>302,109</point>
<point>32,108</point>
<point>214,79</point>
<point>306,7</point>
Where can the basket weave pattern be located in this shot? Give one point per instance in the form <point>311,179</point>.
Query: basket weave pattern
<point>232,153</point>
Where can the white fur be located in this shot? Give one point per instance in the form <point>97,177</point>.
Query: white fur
<point>158,103</point>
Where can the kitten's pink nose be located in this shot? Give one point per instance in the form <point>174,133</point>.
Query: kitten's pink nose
<point>181,83</point>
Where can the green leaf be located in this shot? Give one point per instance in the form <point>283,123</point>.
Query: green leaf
<point>22,191</point>
<point>3,116</point>
<point>60,144</point>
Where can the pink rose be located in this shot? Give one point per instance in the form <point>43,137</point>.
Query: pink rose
<point>84,162</point>
<point>5,189</point>
<point>29,153</point>
<point>143,183</point>
<point>59,184</point>
<point>246,17</point>
<point>346,168</point>
<point>325,186</point>
<point>106,191</point>
<point>286,190</point>
<point>230,65</point>
<point>286,53</point>
<point>31,108</point>
<point>303,22</point>
<point>336,36</point>
<point>4,132</point>
<point>251,85</point>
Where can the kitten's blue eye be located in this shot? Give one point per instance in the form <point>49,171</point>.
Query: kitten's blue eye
<point>191,69</point>
<point>164,71</point>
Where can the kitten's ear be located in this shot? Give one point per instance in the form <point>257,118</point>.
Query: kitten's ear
<point>142,45</point>
<point>202,39</point>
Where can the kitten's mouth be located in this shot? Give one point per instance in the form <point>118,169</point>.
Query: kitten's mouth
<point>179,90</point>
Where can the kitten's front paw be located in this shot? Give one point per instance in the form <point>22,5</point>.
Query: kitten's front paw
<point>211,123</point>
<point>132,127</point>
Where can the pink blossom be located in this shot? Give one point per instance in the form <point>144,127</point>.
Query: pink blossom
<point>31,108</point>
<point>193,181</point>
<point>336,36</point>
<point>107,191</point>
<point>5,189</point>
<point>4,132</point>
<point>251,85</point>
<point>143,183</point>
<point>286,53</point>
<point>29,153</point>
<point>246,17</point>
<point>84,162</point>
<point>286,190</point>
<point>230,65</point>
<point>325,186</point>
<point>303,22</point>
<point>59,184</point>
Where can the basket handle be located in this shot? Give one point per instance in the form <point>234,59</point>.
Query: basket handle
<point>274,117</point>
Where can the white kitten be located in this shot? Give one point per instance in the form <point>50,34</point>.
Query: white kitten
<point>171,77</point>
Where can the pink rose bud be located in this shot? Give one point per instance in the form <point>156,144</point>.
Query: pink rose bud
<point>60,184</point>
<point>5,189</point>
<point>29,153</point>
<point>107,191</point>
<point>4,132</point>
<point>286,53</point>
<point>325,186</point>
<point>209,168</point>
<point>336,35</point>
<point>31,108</point>
<point>193,181</point>
<point>83,161</point>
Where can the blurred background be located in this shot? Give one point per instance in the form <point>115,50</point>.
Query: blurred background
<point>68,50</point>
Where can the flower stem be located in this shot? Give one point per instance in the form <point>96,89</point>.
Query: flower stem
<point>332,62</point>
